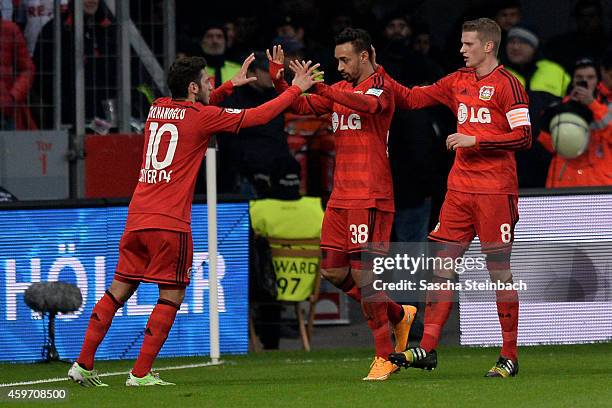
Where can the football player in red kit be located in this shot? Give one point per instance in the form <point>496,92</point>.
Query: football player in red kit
<point>156,246</point>
<point>492,122</point>
<point>360,209</point>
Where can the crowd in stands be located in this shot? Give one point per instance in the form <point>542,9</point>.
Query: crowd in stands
<point>547,67</point>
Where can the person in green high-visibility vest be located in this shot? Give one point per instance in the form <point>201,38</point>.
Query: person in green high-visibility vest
<point>214,46</point>
<point>546,82</point>
<point>285,215</point>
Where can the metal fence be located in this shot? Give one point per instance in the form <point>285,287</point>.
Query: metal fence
<point>82,66</point>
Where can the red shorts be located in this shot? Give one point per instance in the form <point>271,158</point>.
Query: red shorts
<point>154,255</point>
<point>490,216</point>
<point>356,230</point>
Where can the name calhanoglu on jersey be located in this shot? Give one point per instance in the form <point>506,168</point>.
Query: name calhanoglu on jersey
<point>159,112</point>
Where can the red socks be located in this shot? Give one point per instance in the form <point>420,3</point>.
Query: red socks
<point>438,307</point>
<point>99,323</point>
<point>375,311</point>
<point>508,311</point>
<point>395,312</point>
<point>159,325</point>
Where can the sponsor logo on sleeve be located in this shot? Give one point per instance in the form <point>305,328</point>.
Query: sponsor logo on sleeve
<point>374,91</point>
<point>230,110</point>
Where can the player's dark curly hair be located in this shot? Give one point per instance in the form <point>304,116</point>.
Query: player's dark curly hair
<point>360,39</point>
<point>183,72</point>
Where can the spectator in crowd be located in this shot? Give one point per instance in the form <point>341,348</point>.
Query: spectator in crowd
<point>100,64</point>
<point>413,147</point>
<point>506,13</point>
<point>399,60</point>
<point>545,82</point>
<point>33,15</point>
<point>214,45</point>
<point>531,69</point>
<point>589,40</point>
<point>290,27</point>
<point>16,77</point>
<point>594,166</point>
<point>284,215</point>
<point>247,157</point>
<point>422,44</point>
<point>248,36</point>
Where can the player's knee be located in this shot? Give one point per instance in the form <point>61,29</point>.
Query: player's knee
<point>172,293</point>
<point>444,251</point>
<point>335,275</point>
<point>122,290</point>
<point>498,264</point>
<point>334,266</point>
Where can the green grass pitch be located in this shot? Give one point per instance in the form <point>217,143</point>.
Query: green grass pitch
<point>550,376</point>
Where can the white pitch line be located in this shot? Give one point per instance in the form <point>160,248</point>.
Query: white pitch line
<point>179,367</point>
<point>60,379</point>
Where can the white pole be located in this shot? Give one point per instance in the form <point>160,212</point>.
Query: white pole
<point>211,199</point>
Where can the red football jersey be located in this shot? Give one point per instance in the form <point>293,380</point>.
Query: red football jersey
<point>176,139</point>
<point>362,175</point>
<point>494,109</point>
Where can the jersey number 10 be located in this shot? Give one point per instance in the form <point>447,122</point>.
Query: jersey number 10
<point>155,137</point>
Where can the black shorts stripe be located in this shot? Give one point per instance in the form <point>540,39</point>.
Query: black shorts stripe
<point>180,264</point>
<point>371,223</point>
<point>185,260</point>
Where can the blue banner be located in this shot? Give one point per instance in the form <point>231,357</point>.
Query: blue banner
<point>80,246</point>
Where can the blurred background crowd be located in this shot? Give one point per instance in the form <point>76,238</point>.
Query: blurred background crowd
<point>417,42</point>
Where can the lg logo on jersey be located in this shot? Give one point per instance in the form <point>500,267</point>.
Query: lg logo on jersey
<point>353,122</point>
<point>482,115</point>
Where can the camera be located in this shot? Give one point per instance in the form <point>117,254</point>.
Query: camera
<point>582,84</point>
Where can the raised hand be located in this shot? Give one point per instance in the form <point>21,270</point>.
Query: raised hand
<point>297,66</point>
<point>241,77</point>
<point>305,75</point>
<point>277,61</point>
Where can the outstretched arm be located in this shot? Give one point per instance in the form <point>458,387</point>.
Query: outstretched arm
<point>419,96</point>
<point>218,95</point>
<point>370,102</point>
<point>305,104</point>
<point>215,119</point>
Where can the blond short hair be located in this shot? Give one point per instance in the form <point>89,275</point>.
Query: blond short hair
<point>487,30</point>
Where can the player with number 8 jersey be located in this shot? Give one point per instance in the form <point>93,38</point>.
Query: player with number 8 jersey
<point>156,246</point>
<point>482,199</point>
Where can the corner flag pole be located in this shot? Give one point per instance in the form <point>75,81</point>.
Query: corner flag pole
<point>211,200</point>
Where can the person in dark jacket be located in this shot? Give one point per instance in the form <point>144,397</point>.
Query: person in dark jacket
<point>100,64</point>
<point>246,158</point>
